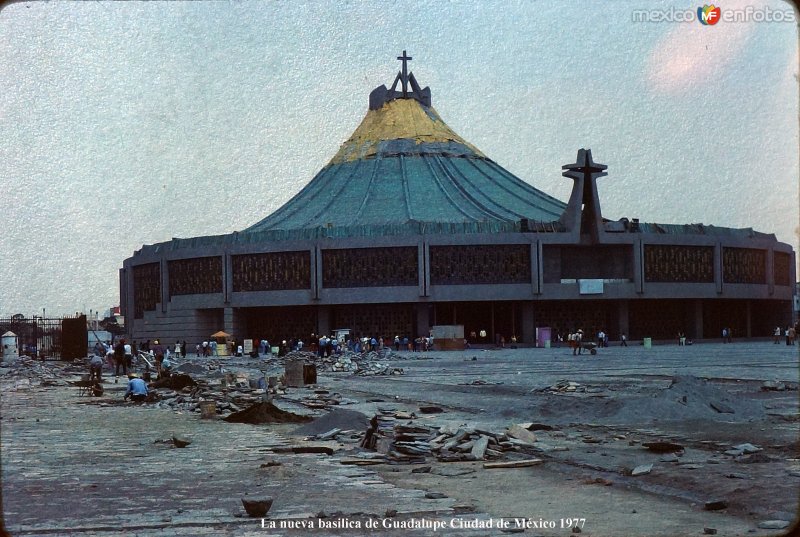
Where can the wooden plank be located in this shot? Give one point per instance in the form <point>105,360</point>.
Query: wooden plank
<point>513,464</point>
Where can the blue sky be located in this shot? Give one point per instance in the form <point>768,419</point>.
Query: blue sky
<point>129,123</point>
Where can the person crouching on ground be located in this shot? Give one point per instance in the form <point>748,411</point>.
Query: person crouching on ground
<point>165,369</point>
<point>137,389</point>
<point>96,368</point>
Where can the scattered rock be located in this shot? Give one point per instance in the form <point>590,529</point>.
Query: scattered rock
<point>715,505</point>
<point>722,408</point>
<point>748,448</point>
<point>773,386</point>
<point>257,508</point>
<point>435,495</point>
<point>709,531</point>
<point>421,470</point>
<point>663,447</point>
<point>430,409</point>
<point>735,475</point>
<point>773,524</point>
<point>180,441</point>
<point>669,457</point>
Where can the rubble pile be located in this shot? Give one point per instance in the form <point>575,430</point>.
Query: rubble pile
<point>227,400</point>
<point>25,373</point>
<point>368,363</point>
<point>407,442</point>
<point>563,386</point>
<point>323,400</point>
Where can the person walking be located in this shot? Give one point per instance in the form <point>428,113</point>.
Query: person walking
<point>624,340</point>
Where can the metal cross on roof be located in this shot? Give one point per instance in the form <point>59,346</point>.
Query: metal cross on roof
<point>404,77</point>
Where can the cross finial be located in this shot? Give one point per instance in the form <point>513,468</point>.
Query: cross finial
<point>404,78</point>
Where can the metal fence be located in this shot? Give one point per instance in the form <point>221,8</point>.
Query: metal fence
<point>61,338</point>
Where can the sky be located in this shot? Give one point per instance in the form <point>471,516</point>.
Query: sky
<point>130,123</point>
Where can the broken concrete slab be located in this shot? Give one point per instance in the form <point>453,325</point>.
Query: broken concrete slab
<point>521,433</point>
<point>642,469</point>
<point>478,450</point>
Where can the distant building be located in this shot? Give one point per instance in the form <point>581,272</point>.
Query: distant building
<point>409,226</point>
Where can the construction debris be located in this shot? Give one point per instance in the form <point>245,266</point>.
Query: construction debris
<point>413,443</point>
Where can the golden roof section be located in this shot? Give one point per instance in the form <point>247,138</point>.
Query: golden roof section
<point>405,119</point>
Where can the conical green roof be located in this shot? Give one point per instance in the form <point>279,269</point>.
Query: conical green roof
<point>404,165</point>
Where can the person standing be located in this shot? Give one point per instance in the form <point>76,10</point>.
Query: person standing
<point>777,334</point>
<point>158,352</point>
<point>128,356</point>
<point>119,360</point>
<point>624,340</point>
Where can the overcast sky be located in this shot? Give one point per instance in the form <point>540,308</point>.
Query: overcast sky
<point>129,123</point>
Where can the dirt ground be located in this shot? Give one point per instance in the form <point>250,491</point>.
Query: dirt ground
<point>73,465</point>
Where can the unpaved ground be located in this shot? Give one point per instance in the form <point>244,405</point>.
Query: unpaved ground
<point>88,469</point>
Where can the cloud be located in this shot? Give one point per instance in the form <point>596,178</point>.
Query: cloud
<point>691,54</point>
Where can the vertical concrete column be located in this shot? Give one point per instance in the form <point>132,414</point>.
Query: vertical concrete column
<point>422,269</point>
<point>227,277</point>
<point>229,322</point>
<point>718,267</point>
<point>535,268</point>
<point>539,267</point>
<point>423,327</point>
<point>770,271</point>
<point>316,271</point>
<point>638,266</point>
<point>164,284</point>
<point>748,319</point>
<point>324,320</point>
<point>623,312</point>
<point>698,319</point>
<point>528,323</point>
